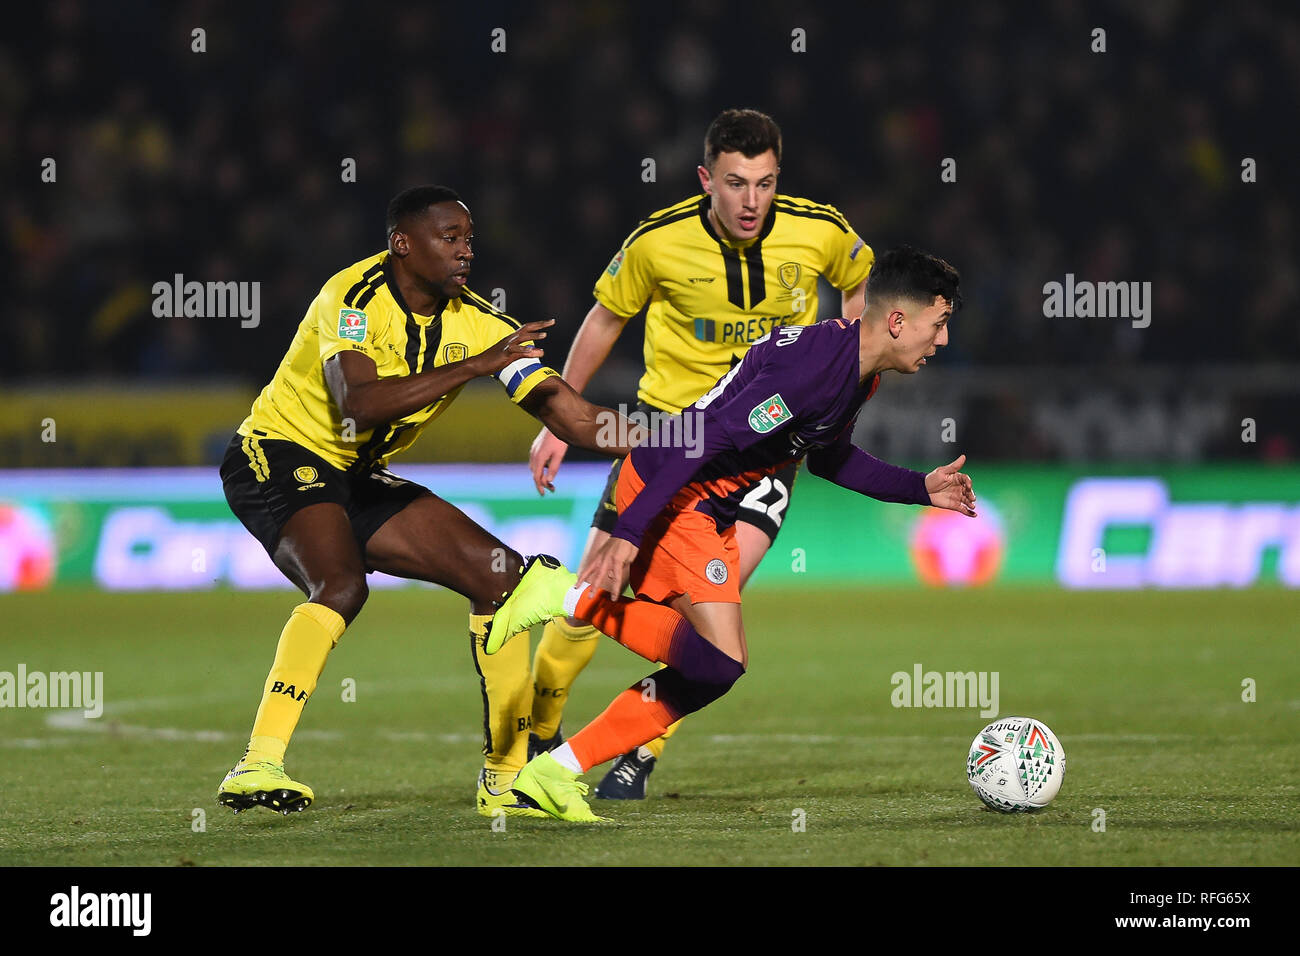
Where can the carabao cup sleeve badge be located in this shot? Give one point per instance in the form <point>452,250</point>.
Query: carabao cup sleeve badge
<point>352,325</point>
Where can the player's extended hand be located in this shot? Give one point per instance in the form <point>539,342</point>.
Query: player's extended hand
<point>515,346</point>
<point>608,567</point>
<point>544,460</point>
<point>950,489</point>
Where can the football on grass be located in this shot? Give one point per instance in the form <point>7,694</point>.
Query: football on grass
<point>1016,765</point>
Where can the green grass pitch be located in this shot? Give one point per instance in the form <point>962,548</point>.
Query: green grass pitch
<point>1143,689</point>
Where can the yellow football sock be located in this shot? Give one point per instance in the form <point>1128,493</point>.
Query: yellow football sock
<point>307,639</point>
<point>507,688</point>
<point>657,745</point>
<point>562,653</point>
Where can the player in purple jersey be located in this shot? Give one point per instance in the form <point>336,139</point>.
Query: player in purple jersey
<point>796,394</point>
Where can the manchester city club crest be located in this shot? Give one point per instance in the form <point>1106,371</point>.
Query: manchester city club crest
<point>716,571</point>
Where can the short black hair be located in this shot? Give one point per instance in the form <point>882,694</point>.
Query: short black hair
<point>747,132</point>
<point>413,201</point>
<point>908,273</point>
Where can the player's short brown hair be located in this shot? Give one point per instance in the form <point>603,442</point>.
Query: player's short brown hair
<point>747,132</point>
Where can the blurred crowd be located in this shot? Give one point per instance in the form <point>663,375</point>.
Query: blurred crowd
<point>227,164</point>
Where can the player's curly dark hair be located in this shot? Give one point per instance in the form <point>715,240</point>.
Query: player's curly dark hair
<point>413,201</point>
<point>909,273</point>
<point>747,132</point>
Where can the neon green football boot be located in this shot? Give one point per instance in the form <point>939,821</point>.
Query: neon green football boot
<point>545,783</point>
<point>538,597</point>
<point>263,784</point>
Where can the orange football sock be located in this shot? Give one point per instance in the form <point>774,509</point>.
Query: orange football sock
<point>633,718</point>
<point>643,627</point>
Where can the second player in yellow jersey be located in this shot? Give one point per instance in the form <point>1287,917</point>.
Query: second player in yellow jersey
<point>708,295</point>
<point>714,273</point>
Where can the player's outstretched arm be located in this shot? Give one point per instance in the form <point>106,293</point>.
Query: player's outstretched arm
<point>850,467</point>
<point>576,421</point>
<point>591,346</point>
<point>368,400</point>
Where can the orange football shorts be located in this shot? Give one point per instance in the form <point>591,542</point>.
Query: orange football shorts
<point>682,551</point>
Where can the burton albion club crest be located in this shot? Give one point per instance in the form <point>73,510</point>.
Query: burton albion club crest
<point>309,477</point>
<point>789,274</point>
<point>455,353</point>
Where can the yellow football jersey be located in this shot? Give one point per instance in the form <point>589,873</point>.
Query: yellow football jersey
<point>362,309</point>
<point>711,299</point>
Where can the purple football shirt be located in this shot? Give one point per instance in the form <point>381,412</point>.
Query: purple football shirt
<point>795,394</point>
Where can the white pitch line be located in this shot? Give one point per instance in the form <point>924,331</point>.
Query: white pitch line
<point>35,743</point>
<point>75,721</point>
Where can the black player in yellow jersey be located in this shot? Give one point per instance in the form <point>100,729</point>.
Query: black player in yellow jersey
<point>383,350</point>
<point>716,272</point>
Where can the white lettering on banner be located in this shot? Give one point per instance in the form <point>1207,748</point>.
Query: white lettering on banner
<point>145,547</point>
<point>1192,545</point>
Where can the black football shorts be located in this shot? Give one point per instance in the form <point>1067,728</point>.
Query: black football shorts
<point>268,480</point>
